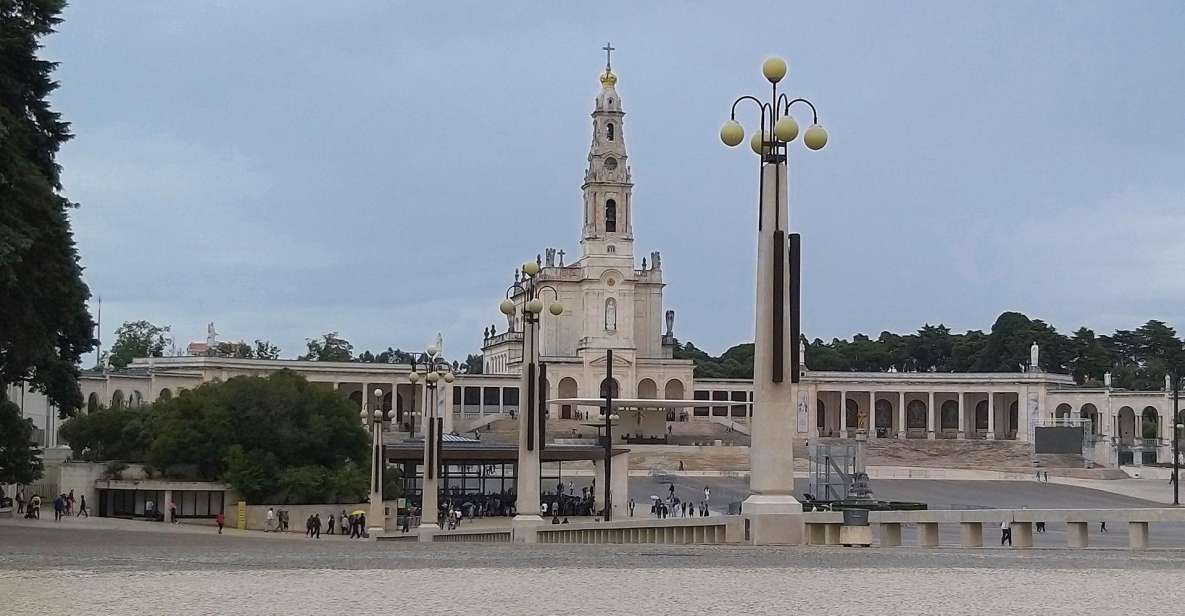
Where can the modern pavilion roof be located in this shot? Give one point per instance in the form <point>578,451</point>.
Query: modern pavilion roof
<point>459,448</point>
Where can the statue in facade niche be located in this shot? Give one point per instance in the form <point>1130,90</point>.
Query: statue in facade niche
<point>1034,351</point>
<point>493,331</point>
<point>655,260</point>
<point>670,323</point>
<point>643,264</point>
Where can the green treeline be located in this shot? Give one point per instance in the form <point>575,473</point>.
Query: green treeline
<point>1137,359</point>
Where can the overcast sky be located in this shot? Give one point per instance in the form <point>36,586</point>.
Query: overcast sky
<point>379,169</point>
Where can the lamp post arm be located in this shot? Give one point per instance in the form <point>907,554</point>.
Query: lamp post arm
<point>733,114</point>
<point>786,106</point>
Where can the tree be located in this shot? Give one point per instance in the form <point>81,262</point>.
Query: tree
<point>474,364</point>
<point>264,349</point>
<point>109,434</point>
<point>137,339</point>
<point>251,431</point>
<point>329,347</point>
<point>20,459</point>
<point>44,324</point>
<point>1088,357</point>
<point>239,350</point>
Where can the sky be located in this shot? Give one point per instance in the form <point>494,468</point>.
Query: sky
<point>380,169</point>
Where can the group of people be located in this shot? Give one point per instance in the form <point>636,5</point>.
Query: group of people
<point>63,506</point>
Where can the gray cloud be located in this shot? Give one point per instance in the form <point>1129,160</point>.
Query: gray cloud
<point>381,169</point>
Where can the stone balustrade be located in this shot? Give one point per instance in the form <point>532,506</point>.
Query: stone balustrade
<point>825,528</point>
<point>714,530</point>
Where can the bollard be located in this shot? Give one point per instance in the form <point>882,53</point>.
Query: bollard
<point>1022,534</point>
<point>971,534</point>
<point>1077,534</point>
<point>890,534</point>
<point>928,534</point>
<point>1137,535</point>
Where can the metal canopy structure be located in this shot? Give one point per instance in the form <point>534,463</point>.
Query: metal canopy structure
<point>641,404</point>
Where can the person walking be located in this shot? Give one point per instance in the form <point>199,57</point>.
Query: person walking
<point>270,523</point>
<point>221,520</point>
<point>316,526</point>
<point>406,522</point>
<point>20,500</point>
<point>59,505</point>
<point>34,510</point>
<point>1103,526</point>
<point>342,524</point>
<point>329,527</point>
<point>82,510</point>
<point>173,512</point>
<point>1005,533</point>
<point>70,503</point>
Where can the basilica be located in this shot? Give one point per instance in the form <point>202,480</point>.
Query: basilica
<point>612,299</point>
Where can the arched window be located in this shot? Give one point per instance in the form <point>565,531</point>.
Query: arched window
<point>610,315</point>
<point>611,216</point>
<point>609,131</point>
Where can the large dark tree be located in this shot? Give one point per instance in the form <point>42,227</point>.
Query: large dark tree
<point>20,459</point>
<point>44,325</point>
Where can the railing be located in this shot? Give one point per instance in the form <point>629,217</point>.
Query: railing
<point>826,528</point>
<point>715,530</point>
<point>472,536</point>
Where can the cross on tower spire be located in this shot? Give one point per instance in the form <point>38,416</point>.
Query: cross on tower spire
<point>608,55</point>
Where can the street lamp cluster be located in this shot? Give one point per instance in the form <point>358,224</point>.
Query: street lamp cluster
<point>533,384</point>
<point>436,370</point>
<point>772,505</point>
<point>374,419</point>
<point>778,127</point>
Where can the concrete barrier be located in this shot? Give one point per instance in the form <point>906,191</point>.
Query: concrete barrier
<point>822,527</point>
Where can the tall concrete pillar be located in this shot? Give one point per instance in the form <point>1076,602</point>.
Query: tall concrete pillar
<point>165,505</point>
<point>429,507</point>
<point>527,504</point>
<point>775,515</point>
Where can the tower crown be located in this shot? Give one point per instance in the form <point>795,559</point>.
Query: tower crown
<point>608,216</point>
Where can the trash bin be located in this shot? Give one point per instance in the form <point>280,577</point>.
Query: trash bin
<point>855,517</point>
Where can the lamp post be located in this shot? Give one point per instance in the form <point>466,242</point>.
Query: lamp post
<point>1177,427</point>
<point>610,417</point>
<point>775,515</point>
<point>436,369</point>
<point>532,424</point>
<point>376,520</point>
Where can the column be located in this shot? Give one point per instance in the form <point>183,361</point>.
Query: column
<point>962,418</point>
<point>930,416</point>
<point>429,508</point>
<point>774,514</point>
<point>165,506</point>
<point>901,414</point>
<point>376,518</point>
<point>843,414</point>
<point>527,468</point>
<point>872,414</point>
<point>446,409</point>
<point>991,429</point>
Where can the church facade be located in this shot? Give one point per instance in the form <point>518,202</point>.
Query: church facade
<point>610,300</point>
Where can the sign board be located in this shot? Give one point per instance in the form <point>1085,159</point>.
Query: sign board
<point>1058,439</point>
<point>241,521</point>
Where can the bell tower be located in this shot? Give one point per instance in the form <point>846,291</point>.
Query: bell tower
<point>608,200</point>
